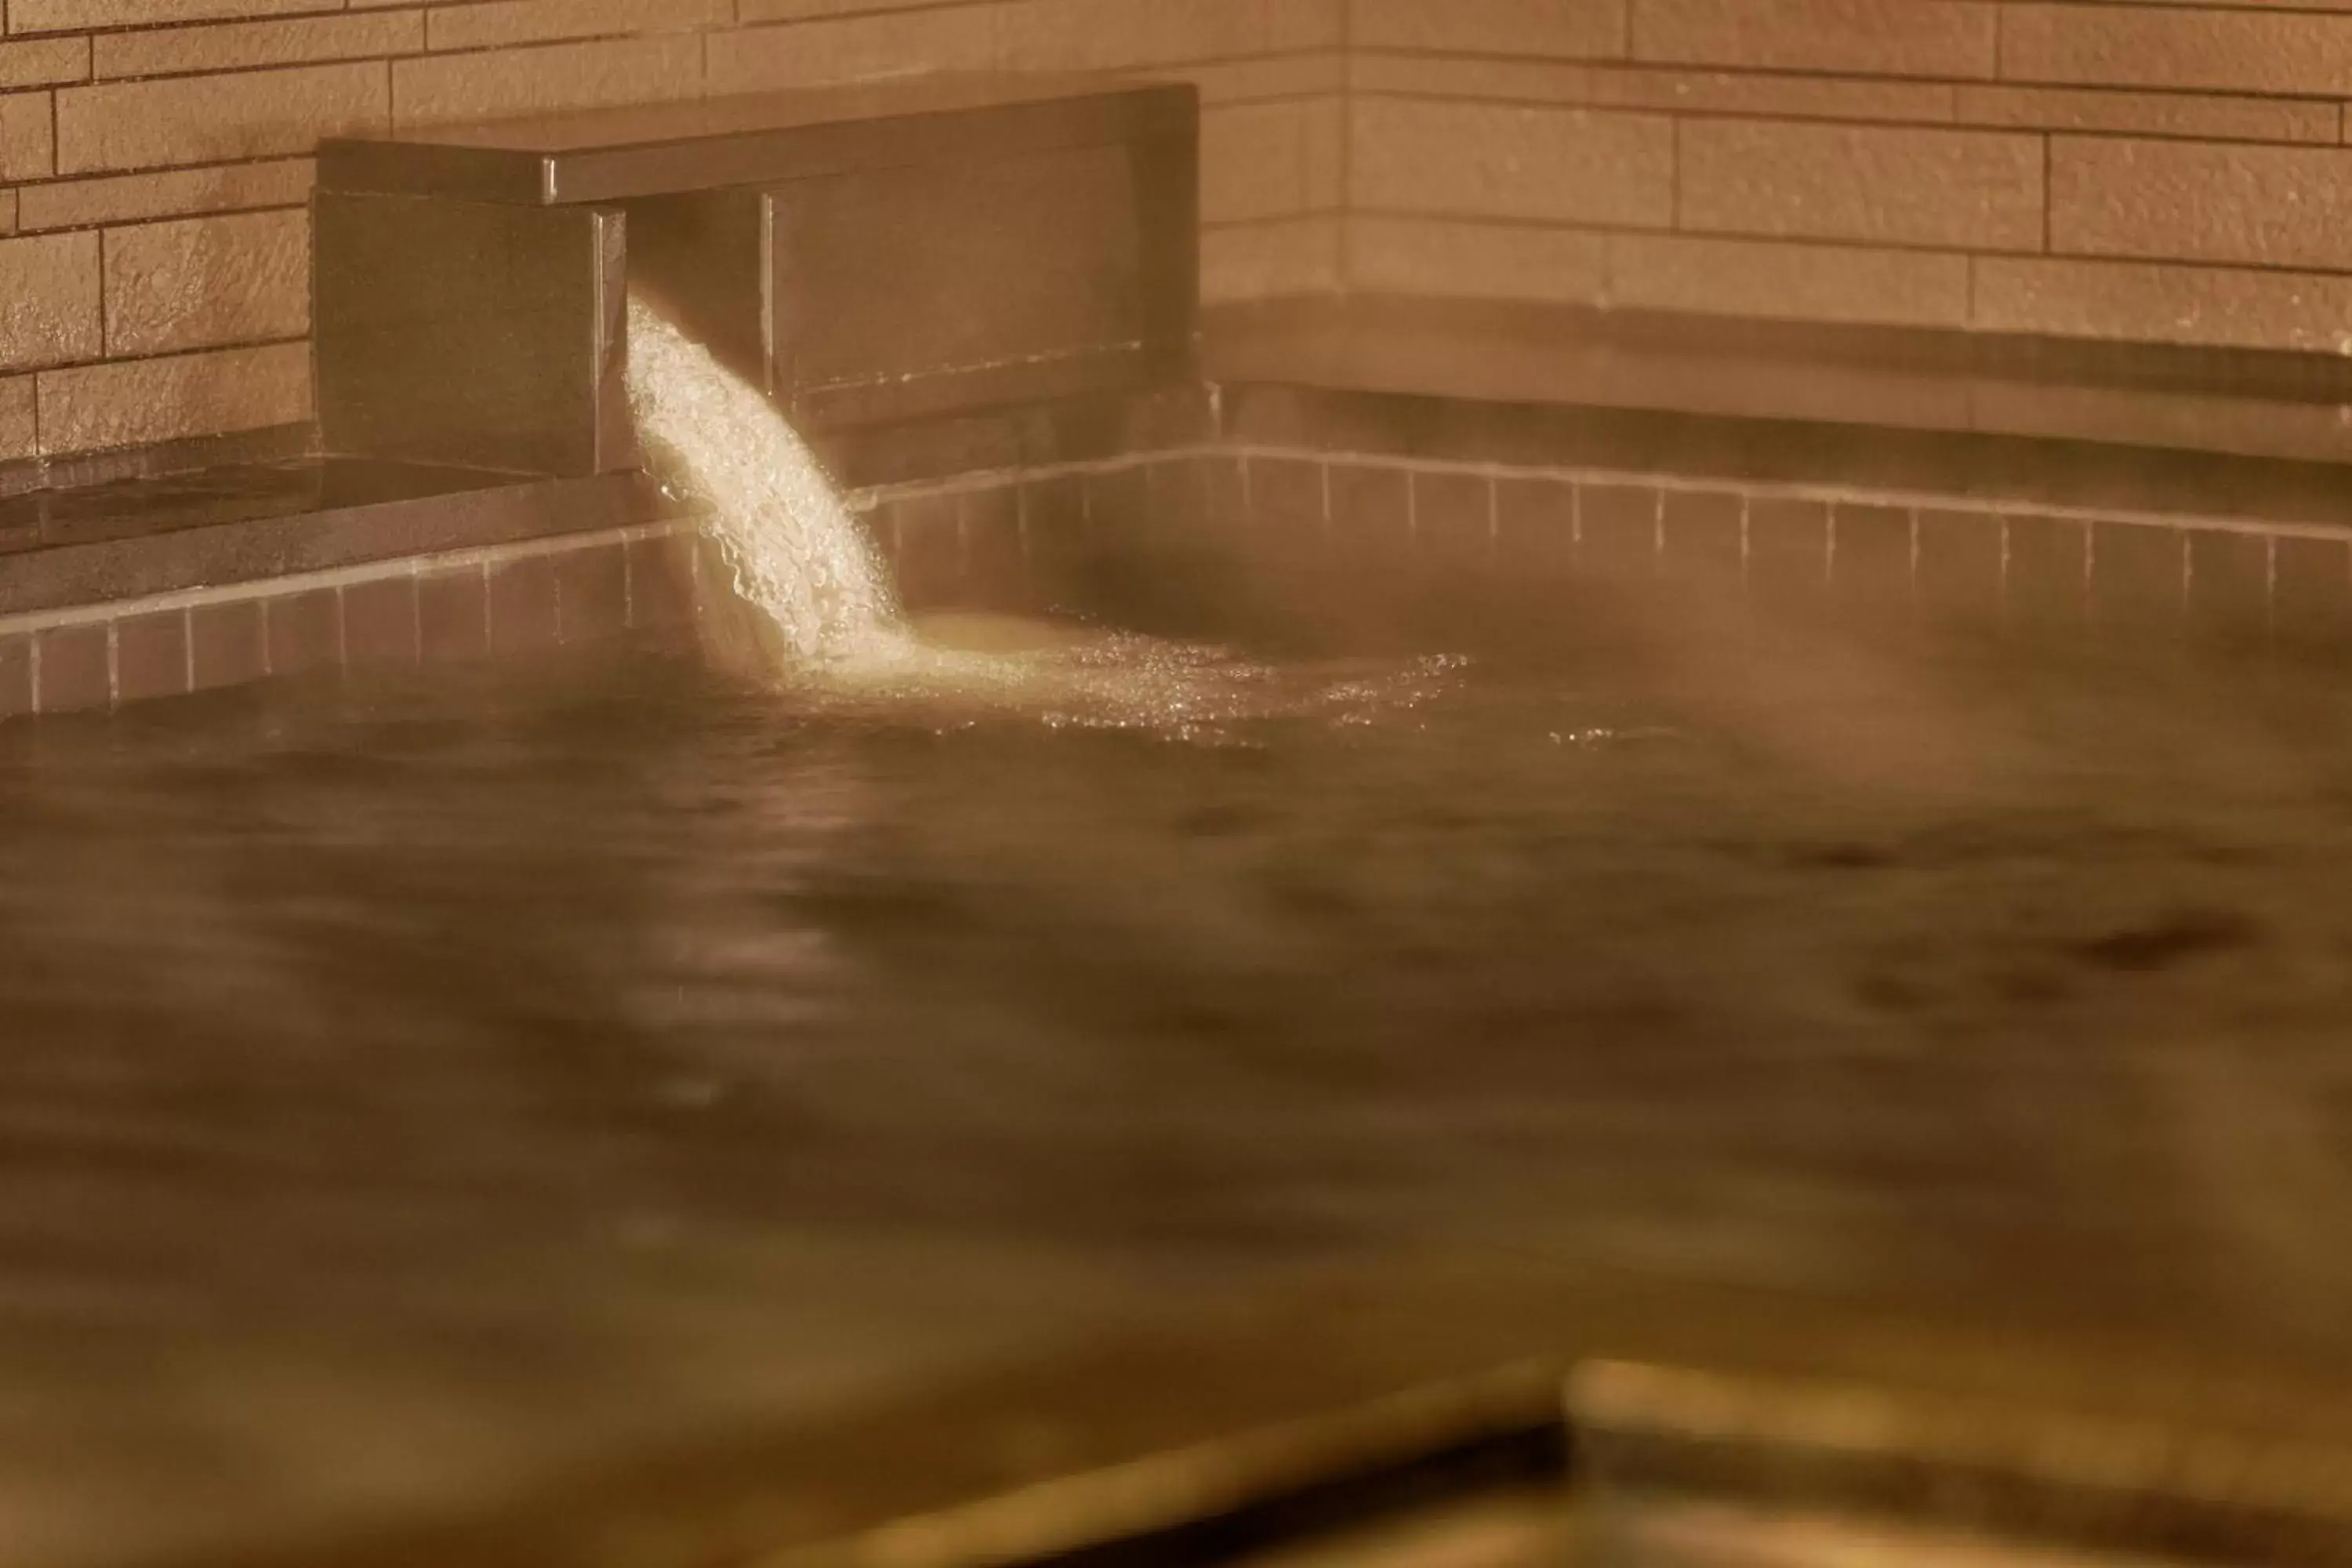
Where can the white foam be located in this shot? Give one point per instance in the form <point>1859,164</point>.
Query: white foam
<point>796,553</point>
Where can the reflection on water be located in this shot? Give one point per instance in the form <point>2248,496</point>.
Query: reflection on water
<point>403,1088</point>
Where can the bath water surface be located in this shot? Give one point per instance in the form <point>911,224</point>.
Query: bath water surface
<point>409,1088</point>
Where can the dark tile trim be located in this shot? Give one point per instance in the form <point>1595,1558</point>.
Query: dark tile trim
<point>104,655</point>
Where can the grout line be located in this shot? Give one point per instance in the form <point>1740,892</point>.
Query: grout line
<point>340,578</point>
<point>2270,587</point>
<point>1746,548</point>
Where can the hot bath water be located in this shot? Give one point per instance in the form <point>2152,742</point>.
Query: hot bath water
<point>411,1088</point>
<point>406,1088</point>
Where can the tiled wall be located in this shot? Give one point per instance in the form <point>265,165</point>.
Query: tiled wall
<point>2166,171</point>
<point>1394,530</point>
<point>2140,170</point>
<point>1335,541</point>
<point>153,166</point>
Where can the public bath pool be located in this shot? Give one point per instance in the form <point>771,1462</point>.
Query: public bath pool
<point>411,1087</point>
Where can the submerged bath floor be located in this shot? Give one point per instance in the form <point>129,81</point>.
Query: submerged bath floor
<point>409,1088</point>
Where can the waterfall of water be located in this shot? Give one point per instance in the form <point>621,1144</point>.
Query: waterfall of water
<point>796,553</point>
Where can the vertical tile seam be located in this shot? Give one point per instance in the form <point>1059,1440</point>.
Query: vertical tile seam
<point>1347,263</point>
<point>2049,184</point>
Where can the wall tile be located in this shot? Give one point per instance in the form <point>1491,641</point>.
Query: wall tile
<point>525,609</point>
<point>2046,572</point>
<point>227,645</point>
<point>182,51</point>
<point>755,59</point>
<point>1799,96</point>
<point>75,667</point>
<point>2152,302</point>
<point>1578,28</point>
<point>1704,535</point>
<point>453,615</point>
<point>2185,201</point>
<point>126,198</point>
<point>2151,113</point>
<point>19,436</point>
<point>1535,523</point>
<point>93,407</point>
<point>1479,160</point>
<point>1870,556</point>
<point>1475,260</point>
<point>15,676</point>
<point>1875,185</point>
<point>2138,576</point>
<point>427,89</point>
<point>380,621</point>
<point>1080,34</point>
<point>1287,493</point>
<point>2228,586</point>
<point>502,23</point>
<point>1619,532</point>
<point>1470,77</point>
<point>305,631</point>
<point>28,136</point>
<point>2250,50</point>
<point>2312,596</point>
<point>1873,37</point>
<point>1788,548</point>
<point>43,62</point>
<point>61,15</point>
<point>592,589</point>
<point>1261,261</point>
<point>1372,507</point>
<point>49,294</point>
<point>661,583</point>
<point>1453,514</point>
<point>1959,575</point>
<point>150,656</point>
<point>201,281</point>
<point>1804,282</point>
<point>213,119</point>
<point>1253,161</point>
<point>1307,24</point>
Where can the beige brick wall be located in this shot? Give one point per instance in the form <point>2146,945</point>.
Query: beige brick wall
<point>2151,170</point>
<point>2169,171</point>
<point>154,154</point>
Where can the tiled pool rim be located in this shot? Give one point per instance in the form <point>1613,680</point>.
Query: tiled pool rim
<point>970,539</point>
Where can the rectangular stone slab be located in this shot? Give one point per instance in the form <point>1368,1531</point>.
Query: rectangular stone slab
<point>609,155</point>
